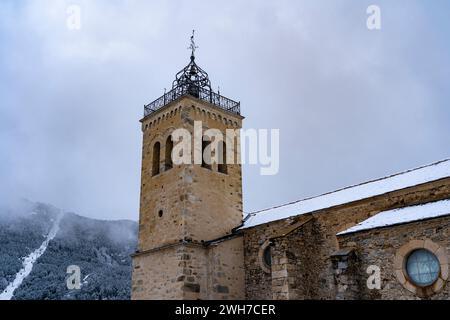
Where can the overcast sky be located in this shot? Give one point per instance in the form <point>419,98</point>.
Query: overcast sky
<point>351,104</point>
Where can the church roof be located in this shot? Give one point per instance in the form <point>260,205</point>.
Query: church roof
<point>403,215</point>
<point>406,179</point>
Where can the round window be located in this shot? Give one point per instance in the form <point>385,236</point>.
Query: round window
<point>267,257</point>
<point>422,267</point>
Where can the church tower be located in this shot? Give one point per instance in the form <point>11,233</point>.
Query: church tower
<point>186,248</point>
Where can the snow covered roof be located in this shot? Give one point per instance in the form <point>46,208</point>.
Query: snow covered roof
<point>410,178</point>
<point>403,215</point>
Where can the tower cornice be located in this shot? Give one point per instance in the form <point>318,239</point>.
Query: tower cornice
<point>214,106</point>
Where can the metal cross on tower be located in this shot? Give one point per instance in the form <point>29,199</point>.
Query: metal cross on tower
<point>192,46</point>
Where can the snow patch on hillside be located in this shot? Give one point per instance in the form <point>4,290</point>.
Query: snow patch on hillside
<point>29,261</point>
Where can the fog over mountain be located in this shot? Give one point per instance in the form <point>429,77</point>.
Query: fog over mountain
<point>100,248</point>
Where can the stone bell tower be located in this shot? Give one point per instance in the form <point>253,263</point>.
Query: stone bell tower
<point>187,210</point>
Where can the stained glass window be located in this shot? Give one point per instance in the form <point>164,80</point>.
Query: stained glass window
<point>423,267</point>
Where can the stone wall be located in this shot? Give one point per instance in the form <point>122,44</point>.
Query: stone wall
<point>328,223</point>
<point>294,264</point>
<point>258,283</point>
<point>148,280</point>
<point>226,270</point>
<point>213,199</point>
<point>190,271</point>
<point>162,192</point>
<point>379,247</point>
<point>347,275</point>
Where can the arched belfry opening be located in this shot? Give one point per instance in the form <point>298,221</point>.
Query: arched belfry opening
<point>168,163</point>
<point>222,151</point>
<point>155,158</point>
<point>206,153</point>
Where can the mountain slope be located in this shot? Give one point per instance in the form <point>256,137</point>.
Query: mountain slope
<point>100,248</point>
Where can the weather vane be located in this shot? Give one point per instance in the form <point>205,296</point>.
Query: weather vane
<point>192,47</point>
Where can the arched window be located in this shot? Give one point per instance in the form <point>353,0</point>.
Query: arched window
<point>205,144</point>
<point>222,150</point>
<point>169,148</point>
<point>267,257</point>
<point>156,153</point>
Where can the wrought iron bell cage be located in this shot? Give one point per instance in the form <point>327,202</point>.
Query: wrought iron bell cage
<point>193,81</point>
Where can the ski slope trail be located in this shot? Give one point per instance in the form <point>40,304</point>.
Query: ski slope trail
<point>29,261</point>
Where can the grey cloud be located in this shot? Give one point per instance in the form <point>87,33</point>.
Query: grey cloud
<point>350,104</point>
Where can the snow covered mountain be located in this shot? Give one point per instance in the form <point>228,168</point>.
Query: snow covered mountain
<point>39,242</point>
